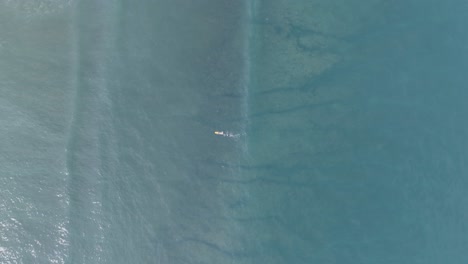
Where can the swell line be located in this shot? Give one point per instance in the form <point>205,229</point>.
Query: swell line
<point>90,130</point>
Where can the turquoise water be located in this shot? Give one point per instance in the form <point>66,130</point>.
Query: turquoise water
<point>347,120</point>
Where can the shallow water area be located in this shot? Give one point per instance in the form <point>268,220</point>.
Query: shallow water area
<point>353,112</point>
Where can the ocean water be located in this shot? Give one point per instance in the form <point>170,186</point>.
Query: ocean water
<point>344,121</point>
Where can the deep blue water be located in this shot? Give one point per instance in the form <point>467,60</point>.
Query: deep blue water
<point>348,140</point>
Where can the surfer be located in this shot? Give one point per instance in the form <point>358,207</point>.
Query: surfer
<point>226,134</point>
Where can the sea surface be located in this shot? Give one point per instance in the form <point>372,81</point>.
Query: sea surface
<point>344,135</point>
